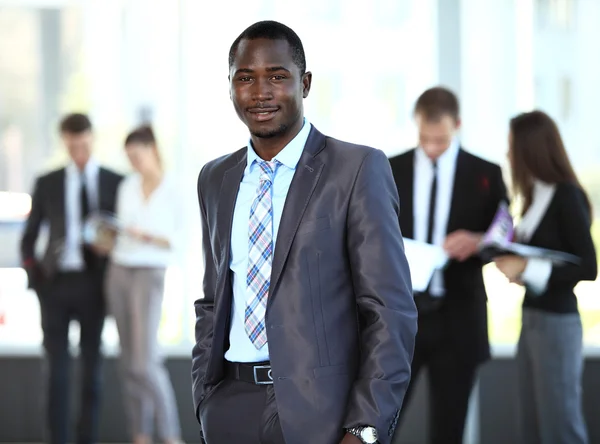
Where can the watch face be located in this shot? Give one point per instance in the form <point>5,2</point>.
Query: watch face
<point>369,435</point>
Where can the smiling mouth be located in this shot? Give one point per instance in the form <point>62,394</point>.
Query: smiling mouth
<point>262,114</point>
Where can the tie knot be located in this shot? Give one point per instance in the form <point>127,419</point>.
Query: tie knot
<point>268,169</point>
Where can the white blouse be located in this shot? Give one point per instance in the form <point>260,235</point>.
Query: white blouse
<point>538,270</point>
<point>159,215</point>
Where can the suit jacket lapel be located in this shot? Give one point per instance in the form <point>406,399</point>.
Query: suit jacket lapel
<point>102,189</point>
<point>228,192</point>
<point>406,185</point>
<point>227,198</point>
<point>60,201</point>
<point>458,191</point>
<point>301,189</point>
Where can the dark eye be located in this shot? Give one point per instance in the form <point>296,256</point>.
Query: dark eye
<point>244,79</point>
<point>278,77</point>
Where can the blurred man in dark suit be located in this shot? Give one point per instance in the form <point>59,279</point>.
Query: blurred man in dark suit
<point>68,279</point>
<point>448,197</point>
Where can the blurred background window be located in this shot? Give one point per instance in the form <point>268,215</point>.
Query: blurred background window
<point>165,61</point>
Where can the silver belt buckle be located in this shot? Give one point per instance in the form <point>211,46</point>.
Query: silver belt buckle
<point>269,375</point>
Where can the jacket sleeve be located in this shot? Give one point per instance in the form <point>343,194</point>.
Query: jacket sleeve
<point>32,227</point>
<point>30,235</point>
<point>384,298</point>
<point>574,221</point>
<point>204,310</point>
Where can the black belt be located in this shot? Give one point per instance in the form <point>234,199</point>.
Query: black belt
<point>255,373</point>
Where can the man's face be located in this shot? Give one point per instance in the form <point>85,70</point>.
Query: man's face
<point>79,146</point>
<point>435,136</point>
<point>267,89</point>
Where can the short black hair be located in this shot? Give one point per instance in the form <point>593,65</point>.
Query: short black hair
<point>436,103</point>
<point>75,123</point>
<point>269,29</point>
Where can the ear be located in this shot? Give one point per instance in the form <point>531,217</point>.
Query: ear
<point>306,82</point>
<point>458,123</point>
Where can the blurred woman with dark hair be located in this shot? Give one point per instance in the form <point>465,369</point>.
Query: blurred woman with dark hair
<point>556,215</point>
<point>146,207</point>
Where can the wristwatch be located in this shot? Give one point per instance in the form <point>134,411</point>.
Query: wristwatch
<point>367,434</point>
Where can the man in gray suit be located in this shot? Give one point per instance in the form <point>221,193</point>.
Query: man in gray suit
<point>306,330</point>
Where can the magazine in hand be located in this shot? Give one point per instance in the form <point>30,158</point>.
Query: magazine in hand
<point>101,229</point>
<point>497,241</point>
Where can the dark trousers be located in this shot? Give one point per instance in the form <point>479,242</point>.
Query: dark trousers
<point>240,412</point>
<point>451,380</point>
<point>72,296</point>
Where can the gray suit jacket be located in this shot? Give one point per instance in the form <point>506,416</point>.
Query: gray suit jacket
<point>341,320</point>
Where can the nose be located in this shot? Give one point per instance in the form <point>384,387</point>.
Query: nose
<point>261,90</point>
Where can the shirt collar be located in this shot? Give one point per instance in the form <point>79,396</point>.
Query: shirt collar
<point>447,157</point>
<point>89,171</point>
<point>289,155</point>
<point>540,187</point>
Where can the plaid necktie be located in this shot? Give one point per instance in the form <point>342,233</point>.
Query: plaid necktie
<point>260,256</point>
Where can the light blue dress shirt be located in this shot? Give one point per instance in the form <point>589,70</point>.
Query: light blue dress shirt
<point>241,348</point>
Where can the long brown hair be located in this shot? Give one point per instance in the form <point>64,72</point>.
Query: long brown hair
<point>538,152</point>
<point>144,135</point>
